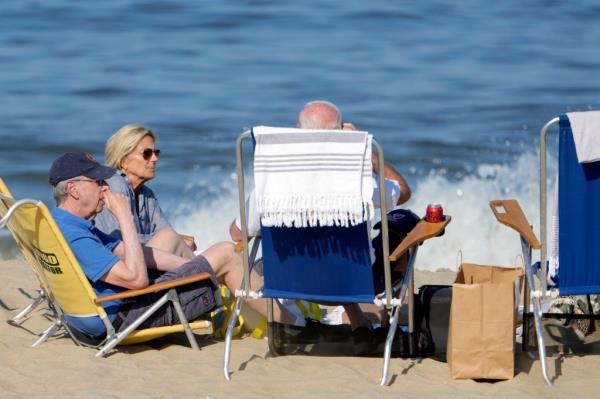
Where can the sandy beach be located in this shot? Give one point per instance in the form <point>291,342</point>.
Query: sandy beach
<point>168,368</point>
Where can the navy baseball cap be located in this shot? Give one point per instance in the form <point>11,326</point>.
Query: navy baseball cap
<point>73,164</point>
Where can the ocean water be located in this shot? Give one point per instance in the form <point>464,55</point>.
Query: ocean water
<point>456,93</point>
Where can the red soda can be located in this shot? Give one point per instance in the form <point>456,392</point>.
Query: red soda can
<point>434,213</point>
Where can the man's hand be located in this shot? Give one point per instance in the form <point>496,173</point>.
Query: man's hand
<point>189,241</point>
<point>117,204</point>
<point>348,126</point>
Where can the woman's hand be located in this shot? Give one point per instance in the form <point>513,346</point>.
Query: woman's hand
<point>189,241</point>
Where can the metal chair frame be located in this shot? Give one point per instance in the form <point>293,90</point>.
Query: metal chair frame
<point>534,292</point>
<point>42,295</point>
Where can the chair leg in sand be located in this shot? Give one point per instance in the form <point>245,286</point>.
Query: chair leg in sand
<point>20,317</point>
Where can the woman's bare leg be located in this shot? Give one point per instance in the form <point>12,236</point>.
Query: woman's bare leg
<point>227,265</point>
<point>169,241</point>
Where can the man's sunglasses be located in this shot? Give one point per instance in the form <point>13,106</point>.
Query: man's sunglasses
<point>99,182</point>
<point>147,153</point>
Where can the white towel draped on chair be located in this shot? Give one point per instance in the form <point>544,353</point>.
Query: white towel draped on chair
<point>293,170</point>
<point>586,134</point>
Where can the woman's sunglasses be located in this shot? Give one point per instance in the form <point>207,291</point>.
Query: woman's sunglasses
<point>147,153</point>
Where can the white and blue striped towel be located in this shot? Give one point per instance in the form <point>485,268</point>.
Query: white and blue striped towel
<point>312,177</point>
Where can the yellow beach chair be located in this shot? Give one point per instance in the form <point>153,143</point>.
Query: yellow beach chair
<point>6,203</point>
<point>68,290</point>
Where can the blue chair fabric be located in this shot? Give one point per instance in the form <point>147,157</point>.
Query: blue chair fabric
<point>321,264</point>
<point>579,216</point>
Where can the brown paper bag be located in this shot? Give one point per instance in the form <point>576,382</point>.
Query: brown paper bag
<point>481,337</point>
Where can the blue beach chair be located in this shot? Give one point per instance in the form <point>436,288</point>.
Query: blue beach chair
<point>326,265</point>
<point>579,233</point>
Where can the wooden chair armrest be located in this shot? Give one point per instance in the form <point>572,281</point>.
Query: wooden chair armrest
<point>421,232</point>
<point>154,288</point>
<point>509,213</point>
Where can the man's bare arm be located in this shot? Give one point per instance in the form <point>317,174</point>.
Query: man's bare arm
<point>130,271</point>
<point>389,172</point>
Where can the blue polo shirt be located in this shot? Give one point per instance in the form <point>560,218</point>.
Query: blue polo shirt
<point>93,249</point>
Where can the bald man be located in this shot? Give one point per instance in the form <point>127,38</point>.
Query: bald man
<point>325,115</point>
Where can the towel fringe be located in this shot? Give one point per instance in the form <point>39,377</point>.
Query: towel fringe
<point>315,210</point>
<point>312,191</point>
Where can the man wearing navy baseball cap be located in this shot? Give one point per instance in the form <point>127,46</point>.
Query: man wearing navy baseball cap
<point>74,164</point>
<point>113,265</point>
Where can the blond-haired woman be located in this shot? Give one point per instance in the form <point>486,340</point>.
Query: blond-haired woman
<point>132,151</point>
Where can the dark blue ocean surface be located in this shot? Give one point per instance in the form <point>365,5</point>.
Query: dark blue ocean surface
<point>455,91</point>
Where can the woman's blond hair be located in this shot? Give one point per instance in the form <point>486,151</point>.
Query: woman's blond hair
<point>123,141</point>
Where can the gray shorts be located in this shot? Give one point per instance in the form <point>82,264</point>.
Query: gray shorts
<point>196,299</point>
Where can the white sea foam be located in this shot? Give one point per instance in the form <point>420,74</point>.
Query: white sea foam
<point>473,229</point>
<point>208,221</point>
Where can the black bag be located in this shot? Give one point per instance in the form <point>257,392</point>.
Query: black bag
<point>419,343</point>
<point>435,303</point>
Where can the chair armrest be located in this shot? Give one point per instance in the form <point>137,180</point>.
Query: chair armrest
<point>154,288</point>
<point>509,213</point>
<point>421,232</point>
